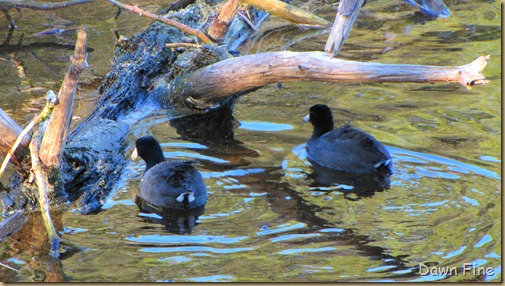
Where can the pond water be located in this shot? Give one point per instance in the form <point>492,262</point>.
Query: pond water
<point>270,216</point>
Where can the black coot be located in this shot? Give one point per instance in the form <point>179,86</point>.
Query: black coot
<point>168,184</point>
<point>346,148</point>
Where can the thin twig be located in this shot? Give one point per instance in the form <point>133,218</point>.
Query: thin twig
<point>51,101</point>
<point>247,21</point>
<point>43,198</point>
<point>185,45</point>
<point>8,267</point>
<point>167,21</point>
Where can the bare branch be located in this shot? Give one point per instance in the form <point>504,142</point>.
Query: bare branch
<point>184,28</point>
<point>23,135</point>
<point>288,12</point>
<point>348,11</point>
<point>219,26</point>
<point>59,123</point>
<point>238,75</point>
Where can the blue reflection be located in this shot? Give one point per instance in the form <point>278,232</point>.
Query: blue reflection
<point>177,239</point>
<point>214,278</point>
<point>195,249</point>
<point>282,228</point>
<point>470,201</point>
<point>306,250</point>
<point>443,161</point>
<point>455,253</point>
<point>189,145</point>
<point>264,126</point>
<point>177,154</point>
<point>294,236</point>
<point>380,268</point>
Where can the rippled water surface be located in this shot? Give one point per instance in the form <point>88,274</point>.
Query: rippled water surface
<point>270,216</point>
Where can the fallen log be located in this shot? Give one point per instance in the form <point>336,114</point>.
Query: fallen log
<point>205,87</point>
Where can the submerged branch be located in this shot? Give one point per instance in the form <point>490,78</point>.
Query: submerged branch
<point>43,197</point>
<point>167,21</point>
<point>9,4</point>
<point>238,75</point>
<point>46,112</point>
<point>288,12</point>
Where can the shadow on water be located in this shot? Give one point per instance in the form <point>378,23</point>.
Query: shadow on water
<point>175,221</point>
<point>216,128</point>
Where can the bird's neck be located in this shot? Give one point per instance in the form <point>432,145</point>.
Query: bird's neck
<point>156,158</point>
<point>322,129</point>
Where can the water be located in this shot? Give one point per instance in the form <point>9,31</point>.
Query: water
<point>268,217</point>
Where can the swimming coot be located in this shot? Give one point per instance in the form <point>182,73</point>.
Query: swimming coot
<point>346,148</point>
<point>168,184</point>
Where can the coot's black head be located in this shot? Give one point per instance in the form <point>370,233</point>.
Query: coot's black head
<point>321,118</point>
<point>149,150</point>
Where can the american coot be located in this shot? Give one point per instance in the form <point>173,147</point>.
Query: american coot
<point>346,148</point>
<point>168,184</point>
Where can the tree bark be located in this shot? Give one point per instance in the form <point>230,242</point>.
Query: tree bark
<point>205,86</point>
<point>222,21</point>
<point>55,136</point>
<point>9,132</point>
<point>348,11</point>
<point>288,12</point>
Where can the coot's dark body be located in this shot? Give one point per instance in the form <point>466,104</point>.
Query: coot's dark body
<point>168,184</point>
<point>346,148</point>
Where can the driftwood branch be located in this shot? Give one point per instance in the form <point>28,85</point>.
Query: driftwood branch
<point>12,224</point>
<point>6,5</point>
<point>46,112</point>
<point>348,11</point>
<point>219,26</point>
<point>182,27</point>
<point>55,136</point>
<point>9,133</point>
<point>43,197</point>
<point>288,12</point>
<point>238,75</point>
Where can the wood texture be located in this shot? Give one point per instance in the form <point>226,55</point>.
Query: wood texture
<point>222,21</point>
<point>56,133</point>
<point>288,12</point>
<point>348,11</point>
<point>238,75</point>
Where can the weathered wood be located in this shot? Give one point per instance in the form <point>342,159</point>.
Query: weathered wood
<point>287,12</point>
<point>6,5</point>
<point>348,11</point>
<point>9,132</point>
<point>167,21</point>
<point>55,136</point>
<point>219,26</point>
<point>11,224</point>
<point>238,75</point>
<point>43,196</point>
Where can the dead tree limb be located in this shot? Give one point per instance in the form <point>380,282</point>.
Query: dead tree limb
<point>55,136</point>
<point>238,75</point>
<point>348,11</point>
<point>167,21</point>
<point>219,26</point>
<point>9,133</point>
<point>43,197</point>
<point>12,224</point>
<point>6,5</point>
<point>288,12</point>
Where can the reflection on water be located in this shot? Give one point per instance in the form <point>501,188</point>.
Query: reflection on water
<point>271,216</point>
